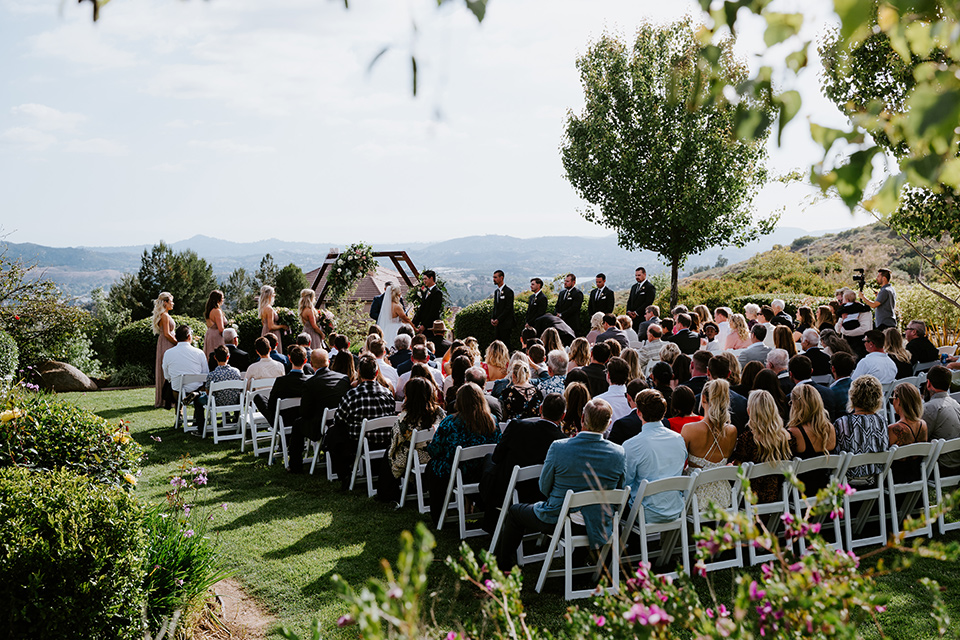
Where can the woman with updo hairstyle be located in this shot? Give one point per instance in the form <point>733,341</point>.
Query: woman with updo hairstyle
<point>521,399</point>
<point>163,327</point>
<point>710,441</point>
<point>739,336</point>
<point>579,354</point>
<point>213,316</point>
<point>577,395</point>
<point>268,316</point>
<point>596,327</point>
<point>783,339</point>
<point>811,434</point>
<point>864,430</point>
<point>496,361</point>
<point>551,341</point>
<point>310,318</point>
<point>764,440</point>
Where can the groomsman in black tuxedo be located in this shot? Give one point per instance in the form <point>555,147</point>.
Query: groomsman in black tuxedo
<point>642,295</point>
<point>537,305</point>
<point>601,298</point>
<point>502,317</point>
<point>431,305</point>
<point>569,303</point>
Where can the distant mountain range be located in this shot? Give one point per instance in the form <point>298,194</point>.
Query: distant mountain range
<point>466,264</point>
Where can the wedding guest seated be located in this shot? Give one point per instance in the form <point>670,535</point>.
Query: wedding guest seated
<point>661,379</point>
<point>457,378</point>
<point>596,371</point>
<point>576,395</point>
<point>811,434</point>
<point>584,462</point>
<point>698,371</point>
<point>401,354</point>
<point>825,318</point>
<point>239,358</point>
<point>367,400</point>
<point>555,382</point>
<point>616,393</point>
<point>751,313</point>
<point>893,347</point>
<point>323,390</point>
<point>538,365</point>
<point>266,367</point>
<point>908,429</point>
<point>875,363</point>
<point>549,322</point>
<point>721,317</point>
<point>221,372</point>
<point>651,316</point>
<point>470,426</point>
<point>524,442</point>
<point>765,320</point>
<point>805,321</point>
<point>780,317</point>
<point>551,341</point>
<point>276,355</point>
<point>747,377</point>
<point>596,327</point>
<point>625,324</point>
<point>496,361</point>
<point>420,411</point>
<point>942,415</point>
<point>521,399</point>
<point>286,386</point>
<point>832,344</point>
<point>630,424</point>
<point>801,371</point>
<point>182,359</point>
<point>344,363</point>
<point>865,430</point>
<point>378,349</point>
<point>810,343</point>
<point>682,408</point>
<point>681,369</point>
<point>710,441</point>
<point>667,325</point>
<point>419,340</point>
<point>918,344</point>
<point>478,376</point>
<point>783,339</point>
<point>764,440</point>
<point>841,366</point>
<point>579,354</point>
<point>757,350</point>
<point>649,353</point>
<point>612,332</point>
<point>303,340</point>
<point>632,359</point>
<point>768,381</point>
<point>471,343</point>
<point>777,361</point>
<point>739,335</point>
<point>418,355</point>
<point>709,341</point>
<point>656,452</point>
<point>615,347</point>
<point>687,340</point>
<point>719,369</point>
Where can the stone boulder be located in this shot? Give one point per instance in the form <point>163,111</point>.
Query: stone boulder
<point>62,377</point>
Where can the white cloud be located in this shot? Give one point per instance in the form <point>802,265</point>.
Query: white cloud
<point>82,44</point>
<point>231,146</point>
<point>97,146</point>
<point>27,138</point>
<point>167,167</point>
<point>183,124</point>
<point>48,118</point>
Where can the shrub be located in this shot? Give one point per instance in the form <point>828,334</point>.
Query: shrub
<point>9,355</point>
<point>105,322</point>
<point>942,318</point>
<point>474,320</point>
<point>249,327</point>
<point>791,301</point>
<point>45,433</point>
<point>72,555</point>
<point>132,375</point>
<point>137,344</point>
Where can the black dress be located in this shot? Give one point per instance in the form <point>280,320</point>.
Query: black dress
<point>814,480</point>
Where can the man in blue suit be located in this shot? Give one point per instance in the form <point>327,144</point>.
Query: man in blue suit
<point>581,463</point>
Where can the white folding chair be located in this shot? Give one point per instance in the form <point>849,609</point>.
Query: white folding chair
<point>768,512</point>
<point>836,465</point>
<point>613,501</point>
<point>252,418</point>
<point>214,409</point>
<point>924,366</point>
<point>280,430</point>
<point>519,474</point>
<point>825,379</point>
<point>459,490</point>
<point>888,401</point>
<point>636,522</point>
<point>727,474</point>
<point>418,439</point>
<point>326,421</point>
<point>867,495</point>
<point>368,455</point>
<point>928,452</point>
<point>942,482</point>
<point>183,411</point>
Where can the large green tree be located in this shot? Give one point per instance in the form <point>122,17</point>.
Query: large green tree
<point>184,274</point>
<point>290,282</point>
<point>657,162</point>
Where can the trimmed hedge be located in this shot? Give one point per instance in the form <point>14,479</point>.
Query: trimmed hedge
<point>791,302</point>
<point>9,355</point>
<point>71,558</point>
<point>50,434</point>
<point>249,327</point>
<point>137,344</point>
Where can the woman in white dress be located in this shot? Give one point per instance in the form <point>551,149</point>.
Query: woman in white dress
<point>711,440</point>
<point>392,315</point>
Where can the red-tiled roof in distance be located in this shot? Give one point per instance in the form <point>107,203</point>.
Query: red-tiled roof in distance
<point>368,288</point>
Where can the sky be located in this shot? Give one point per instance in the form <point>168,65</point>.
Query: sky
<point>246,120</point>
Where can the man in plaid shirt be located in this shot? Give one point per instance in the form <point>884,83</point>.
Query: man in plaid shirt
<point>367,400</point>
<point>222,372</point>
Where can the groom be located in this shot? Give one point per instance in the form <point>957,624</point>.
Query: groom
<point>431,304</point>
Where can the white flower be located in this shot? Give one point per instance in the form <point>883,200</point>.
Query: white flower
<point>339,270</point>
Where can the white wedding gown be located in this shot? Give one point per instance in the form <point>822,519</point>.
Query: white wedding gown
<point>388,322</point>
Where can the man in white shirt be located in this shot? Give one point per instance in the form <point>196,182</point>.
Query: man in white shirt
<point>379,350</point>
<point>876,363</point>
<point>266,367</point>
<point>722,317</point>
<point>418,354</point>
<point>616,393</point>
<point>183,359</point>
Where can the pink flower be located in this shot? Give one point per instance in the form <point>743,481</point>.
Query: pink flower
<point>787,518</point>
<point>188,533</point>
<point>847,489</point>
<point>723,611</point>
<point>755,592</point>
<point>156,438</point>
<point>815,527</point>
<point>345,620</point>
<point>599,620</point>
<point>880,608</point>
<point>710,613</point>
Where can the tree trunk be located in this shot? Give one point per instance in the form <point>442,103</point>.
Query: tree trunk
<point>674,288</point>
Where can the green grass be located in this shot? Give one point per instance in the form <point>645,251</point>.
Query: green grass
<point>285,536</point>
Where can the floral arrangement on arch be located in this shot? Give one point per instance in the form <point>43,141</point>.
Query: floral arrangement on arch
<point>349,267</point>
<point>414,295</point>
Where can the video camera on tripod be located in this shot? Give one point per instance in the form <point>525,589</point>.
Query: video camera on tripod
<point>859,278</point>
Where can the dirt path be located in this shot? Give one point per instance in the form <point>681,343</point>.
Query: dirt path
<point>241,616</point>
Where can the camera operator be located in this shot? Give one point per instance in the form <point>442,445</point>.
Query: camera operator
<point>885,304</point>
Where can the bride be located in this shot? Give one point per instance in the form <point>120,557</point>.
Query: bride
<point>392,315</point>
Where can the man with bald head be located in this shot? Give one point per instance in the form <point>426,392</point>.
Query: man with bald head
<point>322,390</point>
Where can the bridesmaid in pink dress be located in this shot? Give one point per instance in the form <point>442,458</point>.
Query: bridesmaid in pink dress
<point>163,327</point>
<point>309,318</point>
<point>213,314</point>
<point>269,317</point>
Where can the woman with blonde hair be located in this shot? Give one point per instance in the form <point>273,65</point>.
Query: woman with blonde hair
<point>596,327</point>
<point>496,361</point>
<point>893,347</point>
<point>521,399</point>
<point>163,327</point>
<point>908,429</point>
<point>825,318</point>
<point>811,433</point>
<point>764,440</point>
<point>739,336</point>
<point>471,343</point>
<point>632,358</point>
<point>310,318</point>
<point>268,316</point>
<point>710,441</point>
<point>551,340</point>
<point>670,353</point>
<point>783,339</point>
<point>703,311</point>
<point>577,396</point>
<point>579,354</point>
<point>213,316</point>
<point>734,377</point>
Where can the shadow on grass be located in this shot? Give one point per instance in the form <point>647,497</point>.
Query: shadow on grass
<point>125,412</point>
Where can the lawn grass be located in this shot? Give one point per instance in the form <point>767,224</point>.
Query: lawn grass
<point>285,536</point>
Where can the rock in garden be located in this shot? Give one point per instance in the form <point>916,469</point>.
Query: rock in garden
<point>62,377</point>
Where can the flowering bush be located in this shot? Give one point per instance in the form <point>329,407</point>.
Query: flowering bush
<point>182,560</point>
<point>349,267</point>
<point>9,355</point>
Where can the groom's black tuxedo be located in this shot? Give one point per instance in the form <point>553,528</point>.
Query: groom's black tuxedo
<point>429,310</point>
<point>600,300</point>
<point>569,303</point>
<point>536,307</point>
<point>548,321</point>
<point>503,314</point>
<point>642,295</point>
